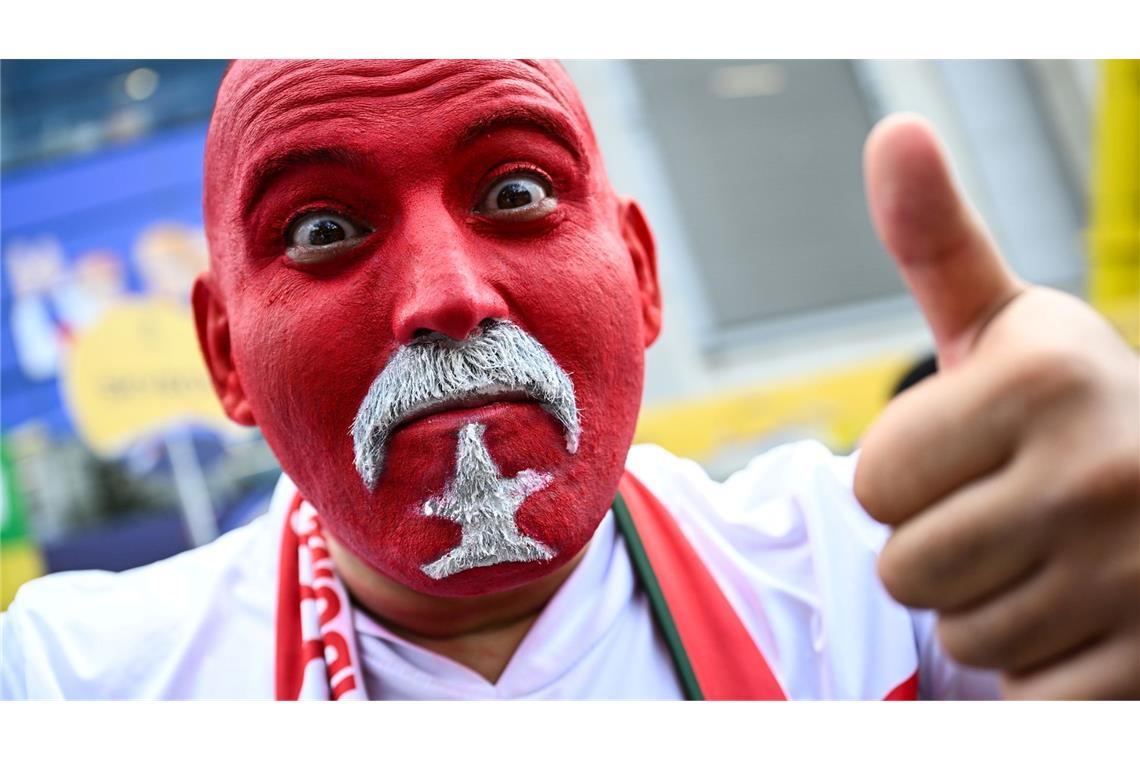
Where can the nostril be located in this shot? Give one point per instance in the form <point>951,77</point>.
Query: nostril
<point>465,307</point>
<point>424,335</point>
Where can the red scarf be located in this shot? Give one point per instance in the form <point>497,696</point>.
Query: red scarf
<point>713,652</point>
<point>316,641</point>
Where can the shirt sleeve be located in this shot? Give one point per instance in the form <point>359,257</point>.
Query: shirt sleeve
<point>11,664</point>
<point>26,670</point>
<point>13,680</point>
<point>939,677</point>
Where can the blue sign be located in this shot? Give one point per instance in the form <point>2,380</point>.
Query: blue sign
<point>79,235</point>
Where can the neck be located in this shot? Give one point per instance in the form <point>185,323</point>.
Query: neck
<point>480,632</point>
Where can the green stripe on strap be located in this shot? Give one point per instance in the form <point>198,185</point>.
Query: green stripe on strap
<point>657,602</point>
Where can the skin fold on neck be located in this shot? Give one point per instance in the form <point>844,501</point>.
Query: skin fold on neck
<point>480,632</point>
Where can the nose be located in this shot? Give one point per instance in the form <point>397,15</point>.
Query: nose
<point>448,295</point>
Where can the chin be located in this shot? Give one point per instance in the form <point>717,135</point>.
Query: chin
<point>482,581</point>
<point>390,532</point>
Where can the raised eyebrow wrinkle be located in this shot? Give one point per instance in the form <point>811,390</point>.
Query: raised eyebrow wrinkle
<point>552,124</point>
<point>266,172</point>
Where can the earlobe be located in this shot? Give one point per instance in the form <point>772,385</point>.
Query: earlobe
<point>214,340</point>
<point>639,241</point>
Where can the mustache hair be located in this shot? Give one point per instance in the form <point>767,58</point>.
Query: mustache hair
<point>435,370</point>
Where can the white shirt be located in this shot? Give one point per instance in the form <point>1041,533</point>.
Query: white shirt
<point>791,549</point>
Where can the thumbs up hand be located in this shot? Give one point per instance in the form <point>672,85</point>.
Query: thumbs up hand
<point>1012,477</point>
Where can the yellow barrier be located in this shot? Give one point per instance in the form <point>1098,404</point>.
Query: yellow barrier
<point>833,407</point>
<point>1114,235</point>
<point>20,561</point>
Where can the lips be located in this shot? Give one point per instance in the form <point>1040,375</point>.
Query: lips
<point>467,402</point>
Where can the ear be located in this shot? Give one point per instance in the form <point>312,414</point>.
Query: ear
<point>214,340</point>
<point>638,240</point>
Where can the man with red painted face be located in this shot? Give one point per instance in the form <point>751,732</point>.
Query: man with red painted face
<point>426,294</point>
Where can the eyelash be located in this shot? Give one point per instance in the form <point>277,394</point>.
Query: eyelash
<point>318,208</point>
<point>507,170</point>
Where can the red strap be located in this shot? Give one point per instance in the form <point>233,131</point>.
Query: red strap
<point>727,662</point>
<point>289,655</point>
<point>907,690</point>
<point>725,659</point>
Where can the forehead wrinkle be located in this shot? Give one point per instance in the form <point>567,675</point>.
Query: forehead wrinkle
<point>450,85</point>
<point>558,84</point>
<point>525,106</point>
<point>498,102</point>
<point>250,94</point>
<point>257,96</point>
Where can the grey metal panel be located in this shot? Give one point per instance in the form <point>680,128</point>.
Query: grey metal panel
<point>1037,211</point>
<point>764,159</point>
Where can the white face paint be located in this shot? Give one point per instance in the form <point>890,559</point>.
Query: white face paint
<point>483,503</point>
<point>436,373</point>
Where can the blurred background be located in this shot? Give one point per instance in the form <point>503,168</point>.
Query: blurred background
<point>784,319</point>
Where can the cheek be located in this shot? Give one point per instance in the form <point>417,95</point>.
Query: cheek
<point>306,357</point>
<point>582,305</point>
<point>581,302</point>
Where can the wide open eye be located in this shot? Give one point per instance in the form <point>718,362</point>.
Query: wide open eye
<point>517,197</point>
<point>321,235</point>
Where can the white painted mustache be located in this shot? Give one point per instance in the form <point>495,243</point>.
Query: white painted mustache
<point>499,359</point>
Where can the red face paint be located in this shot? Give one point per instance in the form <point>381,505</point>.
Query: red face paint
<point>405,156</point>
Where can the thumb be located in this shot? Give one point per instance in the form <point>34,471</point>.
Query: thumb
<point>941,247</point>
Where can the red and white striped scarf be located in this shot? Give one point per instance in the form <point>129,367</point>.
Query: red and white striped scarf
<point>316,641</point>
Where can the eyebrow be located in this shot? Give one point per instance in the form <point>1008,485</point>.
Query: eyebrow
<point>550,123</point>
<point>266,172</point>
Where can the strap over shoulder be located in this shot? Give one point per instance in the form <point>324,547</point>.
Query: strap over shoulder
<point>715,646</point>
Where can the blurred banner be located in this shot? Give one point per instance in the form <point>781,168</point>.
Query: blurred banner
<point>116,451</point>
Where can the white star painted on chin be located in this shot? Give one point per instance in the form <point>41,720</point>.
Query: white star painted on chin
<point>484,503</point>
